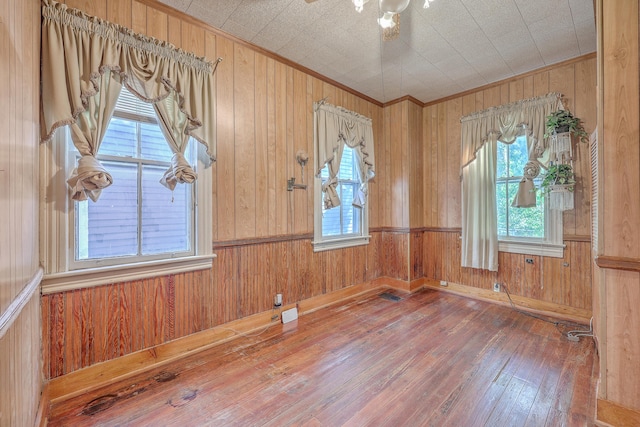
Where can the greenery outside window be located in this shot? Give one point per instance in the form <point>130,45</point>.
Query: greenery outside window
<point>534,231</point>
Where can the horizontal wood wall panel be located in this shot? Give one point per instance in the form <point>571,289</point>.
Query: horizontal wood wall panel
<point>87,326</point>
<point>564,281</point>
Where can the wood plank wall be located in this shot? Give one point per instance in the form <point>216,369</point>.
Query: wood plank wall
<point>616,314</point>
<point>87,326</point>
<point>261,232</point>
<point>441,135</point>
<point>20,375</point>
<point>264,116</point>
<point>563,281</point>
<point>548,279</point>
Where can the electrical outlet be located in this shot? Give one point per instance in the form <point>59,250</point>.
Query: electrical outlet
<point>443,283</point>
<point>496,287</point>
<point>528,260</point>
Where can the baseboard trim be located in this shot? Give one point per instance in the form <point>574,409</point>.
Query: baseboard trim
<point>105,373</point>
<point>578,315</point>
<point>43,407</point>
<point>609,414</point>
<point>101,374</point>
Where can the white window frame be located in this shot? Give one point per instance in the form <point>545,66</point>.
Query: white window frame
<point>62,272</point>
<point>325,243</point>
<point>551,245</point>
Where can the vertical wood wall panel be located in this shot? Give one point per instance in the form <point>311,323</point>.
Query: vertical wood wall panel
<point>576,81</point>
<point>88,326</point>
<point>417,168</point>
<point>138,16</point>
<point>244,181</point>
<point>264,116</point>
<point>225,202</point>
<point>119,12</point>
<point>623,346</point>
<point>20,373</point>
<point>616,314</point>
<point>564,281</point>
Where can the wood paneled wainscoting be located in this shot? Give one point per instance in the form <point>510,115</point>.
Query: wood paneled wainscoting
<point>558,285</point>
<point>86,326</point>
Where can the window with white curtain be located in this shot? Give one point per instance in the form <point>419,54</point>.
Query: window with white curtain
<point>532,230</point>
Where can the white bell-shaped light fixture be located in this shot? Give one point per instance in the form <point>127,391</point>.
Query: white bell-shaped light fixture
<point>359,4</point>
<point>387,20</point>
<point>393,6</point>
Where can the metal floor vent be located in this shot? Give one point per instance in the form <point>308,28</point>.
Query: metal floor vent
<point>390,297</point>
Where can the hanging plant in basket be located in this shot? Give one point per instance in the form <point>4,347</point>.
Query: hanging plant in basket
<point>560,128</point>
<point>559,182</point>
<point>562,121</point>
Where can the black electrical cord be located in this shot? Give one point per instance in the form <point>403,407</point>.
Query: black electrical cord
<point>570,335</point>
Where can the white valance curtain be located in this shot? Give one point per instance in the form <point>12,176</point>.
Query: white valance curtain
<point>481,132</point>
<point>85,62</point>
<point>333,127</point>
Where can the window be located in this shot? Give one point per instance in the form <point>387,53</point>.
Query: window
<point>136,216</point>
<point>536,230</point>
<point>137,224</point>
<point>344,225</point>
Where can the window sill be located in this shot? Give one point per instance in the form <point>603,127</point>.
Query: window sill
<point>532,248</point>
<point>327,245</point>
<point>77,279</point>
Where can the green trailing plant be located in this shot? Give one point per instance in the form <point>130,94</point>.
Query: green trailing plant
<point>559,174</point>
<point>563,121</point>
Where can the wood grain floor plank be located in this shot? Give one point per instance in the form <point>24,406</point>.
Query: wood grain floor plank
<point>429,358</point>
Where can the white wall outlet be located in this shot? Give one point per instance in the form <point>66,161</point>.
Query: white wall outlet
<point>496,287</point>
<point>443,283</point>
<point>289,315</point>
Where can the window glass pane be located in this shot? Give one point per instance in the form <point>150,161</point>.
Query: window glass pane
<point>166,225</point>
<point>516,222</point>
<point>349,212</point>
<point>120,138</point>
<point>344,219</point>
<point>109,228</point>
<point>501,203</point>
<point>346,164</point>
<point>501,165</point>
<point>324,173</point>
<point>331,221</point>
<point>129,103</point>
<point>153,144</point>
<point>525,222</point>
<point>518,156</point>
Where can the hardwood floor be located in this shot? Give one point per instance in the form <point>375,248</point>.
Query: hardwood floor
<point>428,359</point>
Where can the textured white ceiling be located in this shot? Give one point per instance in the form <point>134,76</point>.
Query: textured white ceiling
<point>451,47</point>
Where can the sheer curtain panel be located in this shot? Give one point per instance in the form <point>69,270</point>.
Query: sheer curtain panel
<point>481,132</point>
